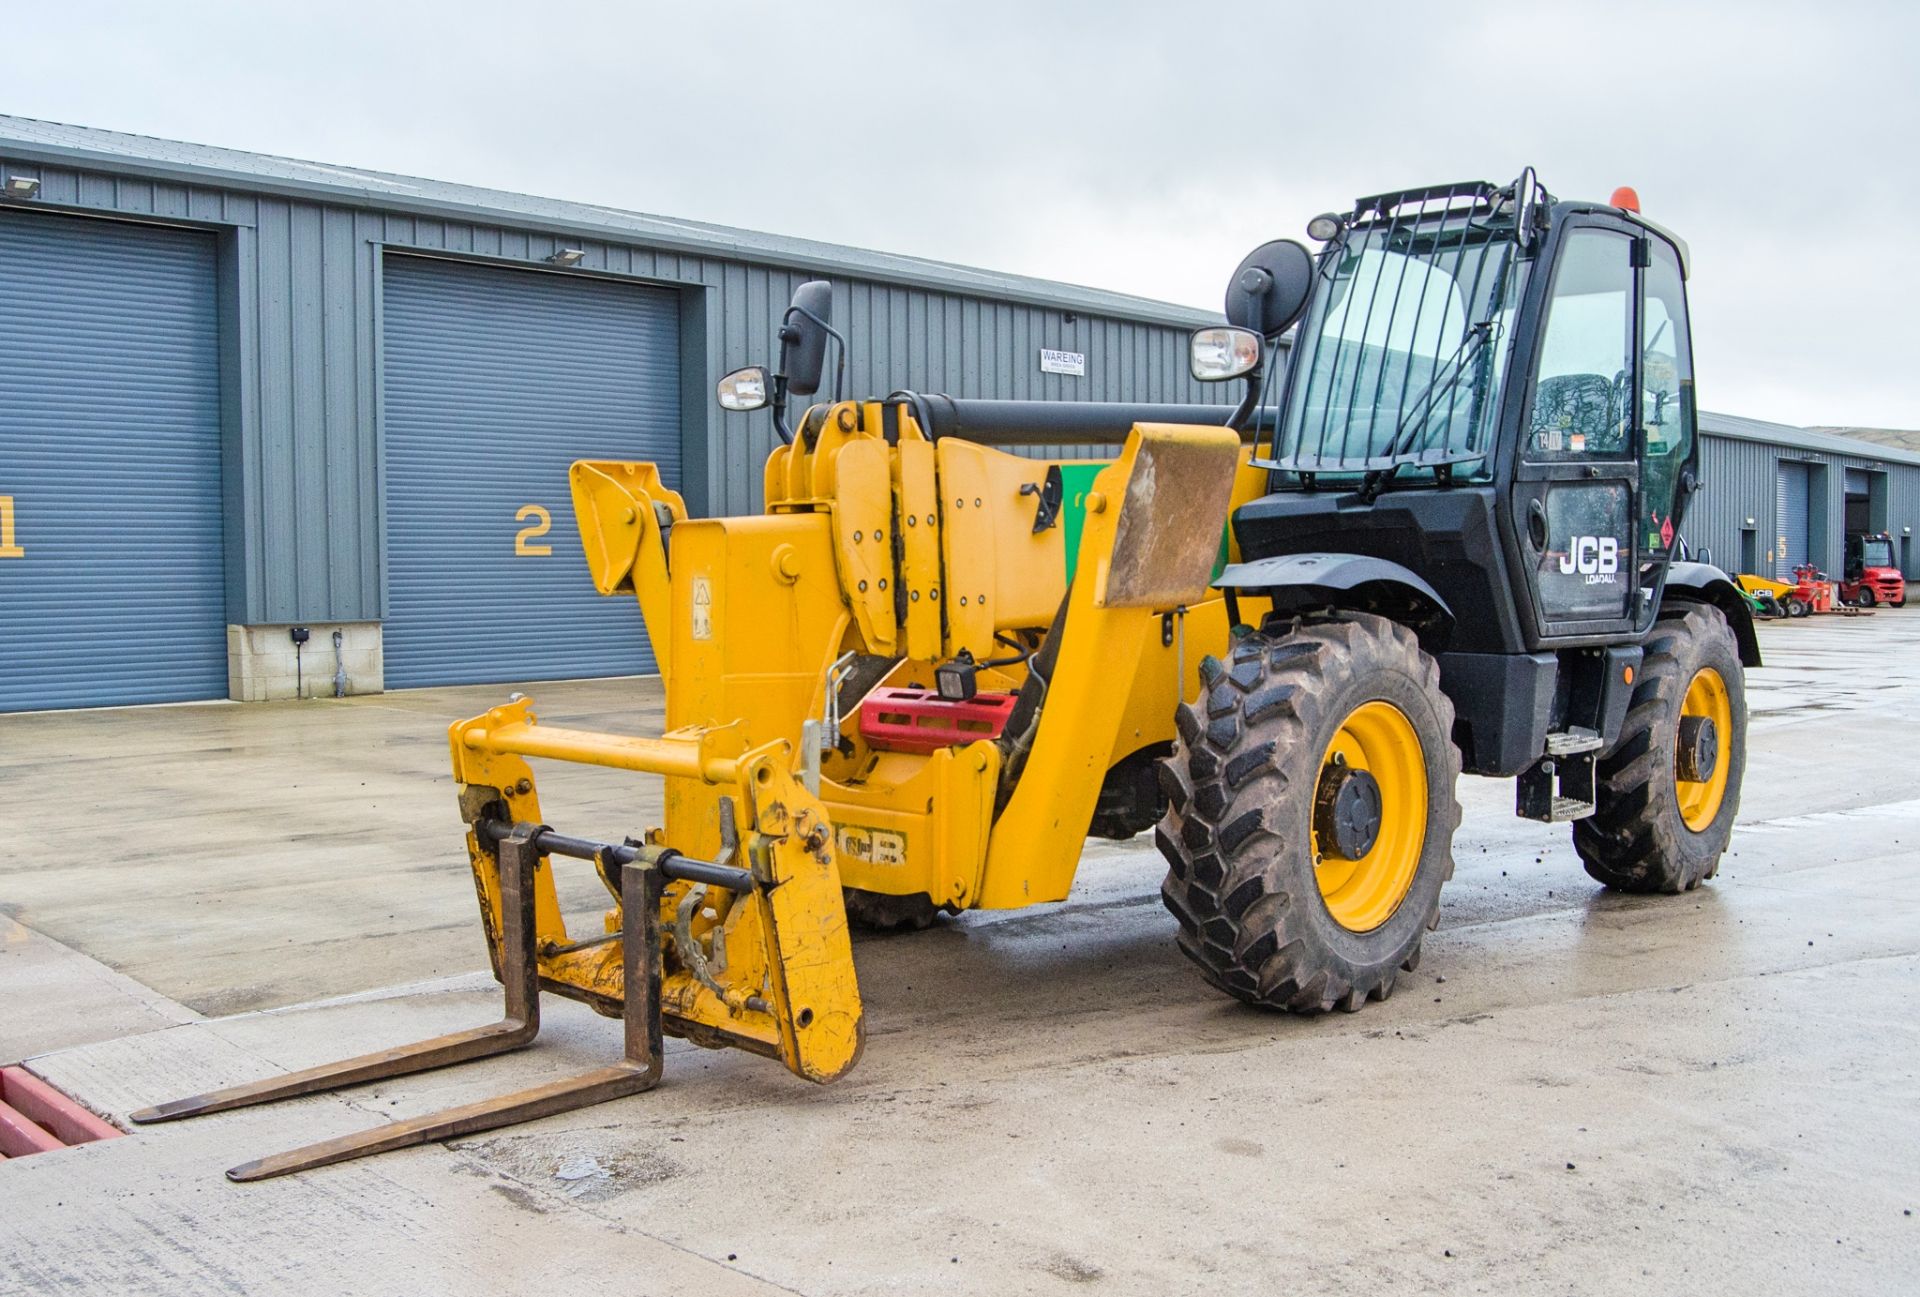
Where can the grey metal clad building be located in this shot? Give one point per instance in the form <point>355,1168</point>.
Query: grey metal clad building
<point>240,394</point>
<point>1774,496</point>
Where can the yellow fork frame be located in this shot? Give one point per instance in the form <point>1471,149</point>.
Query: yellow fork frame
<point>758,956</point>
<point>784,986</point>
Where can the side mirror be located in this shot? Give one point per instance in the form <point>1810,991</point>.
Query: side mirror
<point>1271,289</point>
<point>1217,354</point>
<point>744,389</point>
<point>803,336</point>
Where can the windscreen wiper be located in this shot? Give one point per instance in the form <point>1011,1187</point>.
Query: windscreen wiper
<point>1476,342</point>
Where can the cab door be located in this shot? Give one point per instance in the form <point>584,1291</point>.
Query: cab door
<point>1576,482</point>
<point>1668,419</point>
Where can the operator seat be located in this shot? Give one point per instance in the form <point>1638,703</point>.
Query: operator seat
<point>1570,405</point>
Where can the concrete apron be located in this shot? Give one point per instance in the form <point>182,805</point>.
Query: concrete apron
<point>1711,1092</point>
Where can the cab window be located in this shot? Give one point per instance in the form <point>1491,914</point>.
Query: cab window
<point>1582,399</point>
<point>1666,397</point>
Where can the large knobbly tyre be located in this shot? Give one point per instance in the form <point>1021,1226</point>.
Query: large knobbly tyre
<point>1669,789</point>
<point>1311,814</point>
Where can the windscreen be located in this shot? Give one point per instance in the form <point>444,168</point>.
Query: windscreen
<point>1876,551</point>
<point>1399,360</point>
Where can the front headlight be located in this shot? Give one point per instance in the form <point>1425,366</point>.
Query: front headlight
<point>1220,353</point>
<point>744,389</point>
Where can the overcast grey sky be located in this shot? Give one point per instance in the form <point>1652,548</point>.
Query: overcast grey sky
<point>1141,147</point>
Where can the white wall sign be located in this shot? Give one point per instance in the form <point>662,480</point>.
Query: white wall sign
<point>1063,362</point>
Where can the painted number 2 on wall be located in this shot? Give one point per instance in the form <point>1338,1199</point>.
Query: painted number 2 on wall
<point>9,547</point>
<point>540,522</point>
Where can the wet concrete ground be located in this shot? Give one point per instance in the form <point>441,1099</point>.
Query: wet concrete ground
<point>1578,1092</point>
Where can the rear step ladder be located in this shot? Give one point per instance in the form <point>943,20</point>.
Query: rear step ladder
<point>1568,763</point>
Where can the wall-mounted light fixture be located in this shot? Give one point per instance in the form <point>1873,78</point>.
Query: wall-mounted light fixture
<point>1749,522</point>
<point>567,257</point>
<point>23,186</point>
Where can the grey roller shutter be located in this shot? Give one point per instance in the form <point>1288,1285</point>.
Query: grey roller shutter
<point>495,381</point>
<point>112,589</point>
<point>1790,546</point>
<point>1858,483</point>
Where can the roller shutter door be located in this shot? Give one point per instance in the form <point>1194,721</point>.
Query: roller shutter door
<point>1858,483</point>
<point>112,587</point>
<point>495,381</point>
<point>1792,512</point>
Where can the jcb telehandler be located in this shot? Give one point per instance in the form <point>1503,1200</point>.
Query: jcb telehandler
<point>921,678</point>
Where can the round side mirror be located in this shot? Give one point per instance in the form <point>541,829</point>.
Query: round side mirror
<point>743,389</point>
<point>1271,289</point>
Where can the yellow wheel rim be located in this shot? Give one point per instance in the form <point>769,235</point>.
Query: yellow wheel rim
<point>1700,799</point>
<point>1363,894</point>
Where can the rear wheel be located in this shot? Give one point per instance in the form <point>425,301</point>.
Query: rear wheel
<point>1669,789</point>
<point>1311,814</point>
<point>1798,607</point>
<point>1130,799</point>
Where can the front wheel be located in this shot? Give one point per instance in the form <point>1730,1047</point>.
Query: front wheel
<point>1866,598</point>
<point>1669,789</point>
<point>1311,813</point>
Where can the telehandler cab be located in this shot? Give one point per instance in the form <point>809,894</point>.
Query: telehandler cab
<point>931,668</point>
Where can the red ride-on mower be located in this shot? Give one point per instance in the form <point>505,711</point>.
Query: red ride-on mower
<point>1812,592</point>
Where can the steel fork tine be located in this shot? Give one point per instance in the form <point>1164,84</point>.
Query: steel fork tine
<point>640,890</point>
<point>518,854</point>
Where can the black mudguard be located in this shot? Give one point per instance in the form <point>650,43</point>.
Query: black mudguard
<point>1376,585</point>
<point>1705,583</point>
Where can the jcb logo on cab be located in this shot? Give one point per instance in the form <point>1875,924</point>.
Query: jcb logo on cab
<point>1588,555</point>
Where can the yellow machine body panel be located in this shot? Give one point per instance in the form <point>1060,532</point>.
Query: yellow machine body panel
<point>619,507</point>
<point>1130,573</point>
<point>906,824</point>
<point>756,617</point>
<point>1001,572</point>
<point>862,522</point>
<point>770,971</point>
<point>918,520</point>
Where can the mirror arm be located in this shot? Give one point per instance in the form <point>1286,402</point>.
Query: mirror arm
<point>1244,411</point>
<point>779,407</point>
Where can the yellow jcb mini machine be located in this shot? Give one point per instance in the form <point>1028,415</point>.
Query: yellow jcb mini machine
<point>1442,540</point>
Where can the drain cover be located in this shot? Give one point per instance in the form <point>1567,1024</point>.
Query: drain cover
<point>36,1118</point>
